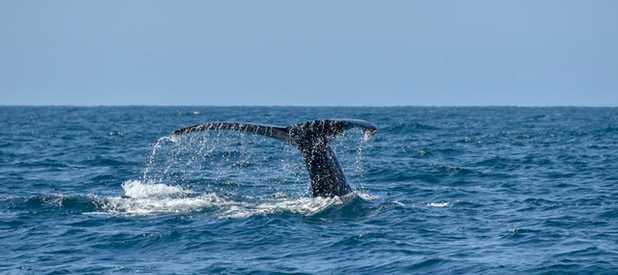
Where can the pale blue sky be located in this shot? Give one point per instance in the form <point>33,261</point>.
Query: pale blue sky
<point>311,53</point>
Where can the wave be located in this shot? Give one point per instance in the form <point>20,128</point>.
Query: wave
<point>146,198</point>
<point>48,203</point>
<point>143,198</point>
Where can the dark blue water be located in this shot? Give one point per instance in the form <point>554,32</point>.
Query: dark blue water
<point>502,190</point>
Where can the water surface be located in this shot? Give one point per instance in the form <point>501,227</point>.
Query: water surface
<point>491,190</point>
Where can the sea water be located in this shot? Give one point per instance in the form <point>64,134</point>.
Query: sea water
<point>438,190</point>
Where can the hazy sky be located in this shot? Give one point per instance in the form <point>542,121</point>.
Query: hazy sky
<point>312,53</point>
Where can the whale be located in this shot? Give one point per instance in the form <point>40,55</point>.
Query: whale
<point>312,138</point>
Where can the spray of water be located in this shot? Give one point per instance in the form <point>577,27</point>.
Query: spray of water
<point>231,174</point>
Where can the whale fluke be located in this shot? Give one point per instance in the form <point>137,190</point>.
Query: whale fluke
<point>312,138</point>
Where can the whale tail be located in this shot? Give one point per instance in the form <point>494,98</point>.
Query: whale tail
<point>312,138</point>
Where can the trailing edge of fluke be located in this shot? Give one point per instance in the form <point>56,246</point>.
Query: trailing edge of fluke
<point>312,138</point>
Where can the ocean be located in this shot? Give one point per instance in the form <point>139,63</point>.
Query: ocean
<point>438,190</point>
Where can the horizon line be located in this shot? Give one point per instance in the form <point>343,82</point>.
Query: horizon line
<point>310,106</point>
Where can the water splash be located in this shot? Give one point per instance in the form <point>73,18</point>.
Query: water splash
<point>350,148</point>
<point>439,204</point>
<point>137,189</point>
<point>148,198</point>
<point>233,174</point>
<point>143,199</point>
<point>155,149</point>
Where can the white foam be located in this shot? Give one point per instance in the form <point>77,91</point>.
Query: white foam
<point>149,206</point>
<point>155,198</point>
<point>137,189</point>
<point>438,204</point>
<point>301,206</point>
<point>366,196</point>
<point>150,198</point>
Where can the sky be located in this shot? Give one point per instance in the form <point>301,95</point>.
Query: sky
<point>309,53</point>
